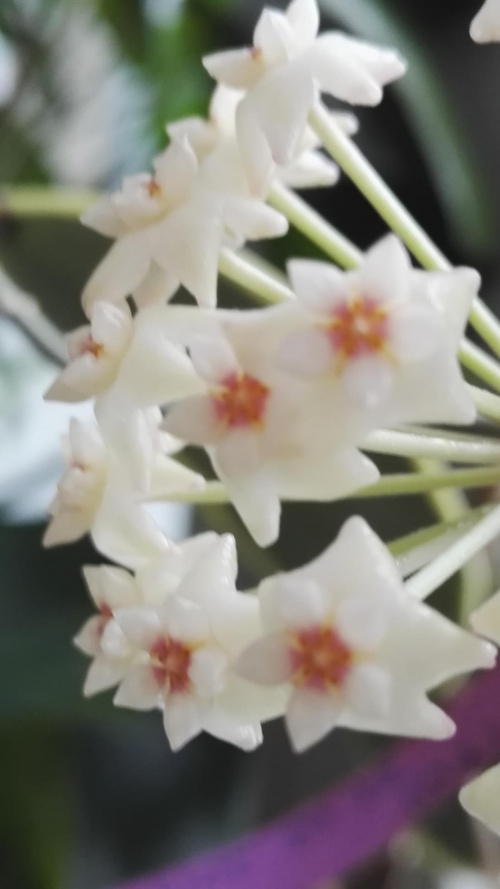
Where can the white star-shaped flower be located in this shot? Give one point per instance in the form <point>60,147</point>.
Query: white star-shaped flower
<point>379,345</point>
<point>283,73</point>
<point>101,489</point>
<point>352,648</point>
<point>169,230</point>
<point>188,642</point>
<point>215,143</point>
<point>109,588</point>
<point>95,352</point>
<point>485,27</point>
<point>251,419</point>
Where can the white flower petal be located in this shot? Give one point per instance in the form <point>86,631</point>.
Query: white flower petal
<point>88,639</point>
<point>303,16</point>
<point>102,217</point>
<point>306,353</point>
<point>157,287</point>
<point>183,719</point>
<point>485,26</point>
<point>319,286</point>
<point>111,325</point>
<point>175,170</point>
<point>103,674</point>
<point>368,381</point>
<point>480,798</point>
<point>208,670</point>
<point>139,690</point>
<point>186,244</point>
<point>238,454</point>
<point>213,358</point>
<point>298,603</point>
<point>266,661</point>
<point>110,586</point>
<point>222,725</point>
<point>239,69</point>
<point>310,716</point>
<point>362,622</point>
<point>415,332</point>
<point>184,621</point>
<point>194,421</point>
<point>277,107</point>
<point>68,526</point>
<point>367,690</point>
<point>252,220</point>
<point>141,626</point>
<point>385,273</point>
<point>120,272</point>
<point>310,170</point>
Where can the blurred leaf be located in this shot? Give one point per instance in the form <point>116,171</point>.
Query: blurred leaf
<point>443,141</point>
<point>34,822</point>
<point>127,19</point>
<point>45,674</point>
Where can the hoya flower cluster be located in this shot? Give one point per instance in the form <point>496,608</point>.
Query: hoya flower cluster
<point>283,399</point>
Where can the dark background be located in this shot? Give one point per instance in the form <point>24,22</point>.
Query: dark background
<point>88,795</point>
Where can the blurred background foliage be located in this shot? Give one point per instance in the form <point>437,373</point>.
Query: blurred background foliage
<point>88,795</point>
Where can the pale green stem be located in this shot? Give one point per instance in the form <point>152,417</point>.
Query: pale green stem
<point>465,449</point>
<point>388,486</point>
<point>425,482</point>
<point>244,272</point>
<point>314,227</point>
<point>416,550</point>
<point>487,404</point>
<point>455,557</point>
<point>40,201</point>
<point>480,364</point>
<point>390,208</point>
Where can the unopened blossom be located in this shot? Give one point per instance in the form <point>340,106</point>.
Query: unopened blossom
<point>95,354</point>
<point>215,143</point>
<point>188,642</point>
<point>252,422</point>
<point>284,72</point>
<point>168,231</point>
<point>485,27</point>
<point>379,345</point>
<point>101,488</point>
<point>109,588</point>
<point>352,648</point>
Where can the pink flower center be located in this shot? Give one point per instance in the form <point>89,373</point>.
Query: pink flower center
<point>171,660</point>
<point>241,401</point>
<point>358,327</point>
<point>105,615</point>
<point>320,658</point>
<point>90,347</point>
<point>153,188</point>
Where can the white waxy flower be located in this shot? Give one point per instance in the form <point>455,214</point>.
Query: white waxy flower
<point>95,352</point>
<point>480,798</point>
<point>80,490</point>
<point>215,144</point>
<point>283,73</point>
<point>109,588</point>
<point>485,27</point>
<point>379,345</point>
<point>251,420</point>
<point>189,641</point>
<point>101,489</point>
<point>168,231</point>
<point>353,649</point>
